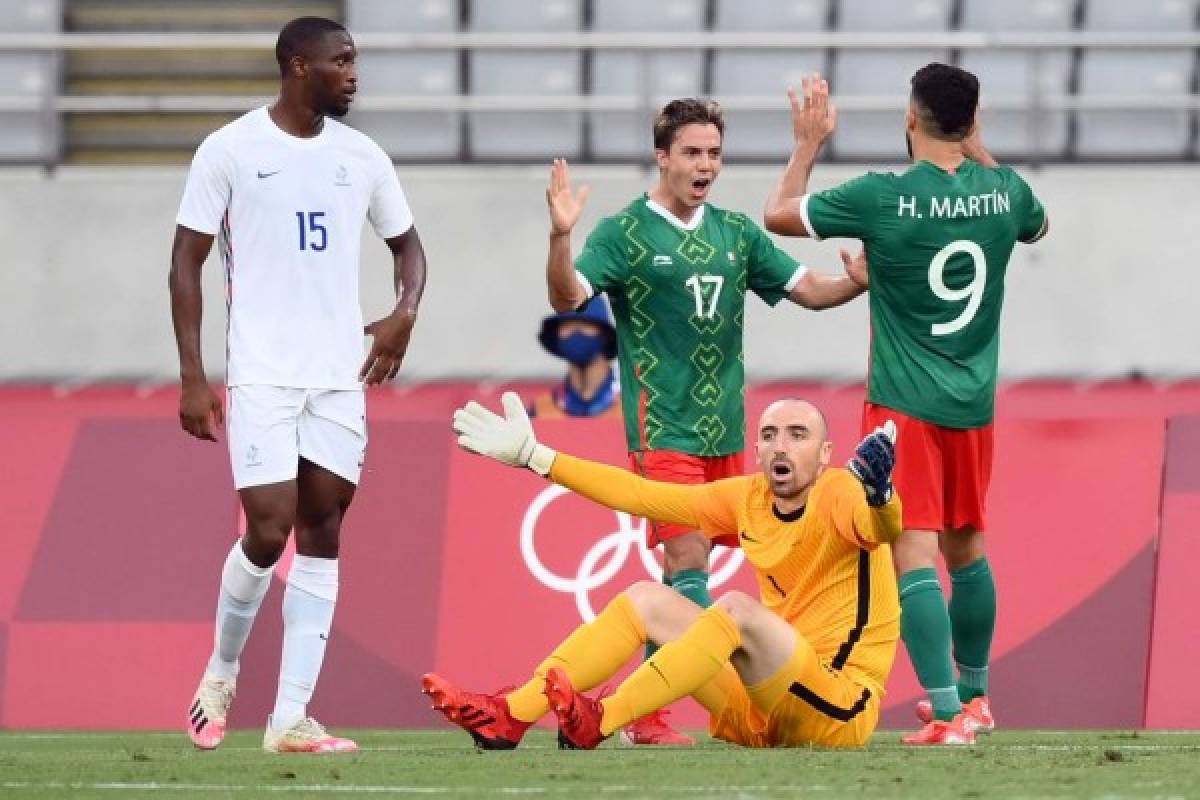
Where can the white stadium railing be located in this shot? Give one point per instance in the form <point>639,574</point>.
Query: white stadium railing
<point>1034,45</point>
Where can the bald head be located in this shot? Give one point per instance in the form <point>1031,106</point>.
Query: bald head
<point>793,447</point>
<point>799,410</point>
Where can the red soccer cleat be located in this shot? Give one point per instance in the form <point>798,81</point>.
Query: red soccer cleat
<point>654,729</point>
<point>578,715</point>
<point>978,712</point>
<point>485,716</point>
<point>939,732</point>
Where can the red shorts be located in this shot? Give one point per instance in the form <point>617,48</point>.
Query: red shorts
<point>671,466</point>
<point>942,474</point>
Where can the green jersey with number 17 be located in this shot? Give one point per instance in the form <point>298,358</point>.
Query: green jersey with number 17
<point>678,294</point>
<point>938,245</point>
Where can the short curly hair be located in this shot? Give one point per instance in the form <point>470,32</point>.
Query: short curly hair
<point>300,36</point>
<point>946,98</point>
<point>686,111</point>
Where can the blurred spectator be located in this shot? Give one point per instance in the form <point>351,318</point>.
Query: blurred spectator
<point>587,341</point>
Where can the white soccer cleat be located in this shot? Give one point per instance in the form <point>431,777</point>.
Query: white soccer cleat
<point>210,706</point>
<point>305,736</point>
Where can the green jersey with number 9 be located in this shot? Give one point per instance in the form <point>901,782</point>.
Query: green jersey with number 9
<point>938,245</point>
<point>678,294</point>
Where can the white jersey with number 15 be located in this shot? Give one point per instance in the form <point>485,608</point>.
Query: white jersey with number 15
<point>288,213</point>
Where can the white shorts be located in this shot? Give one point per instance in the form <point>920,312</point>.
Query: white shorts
<point>271,427</point>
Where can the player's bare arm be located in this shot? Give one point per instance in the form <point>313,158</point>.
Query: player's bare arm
<point>813,121</point>
<point>565,207</point>
<point>200,410</point>
<point>390,335</point>
<point>818,290</point>
<point>974,149</point>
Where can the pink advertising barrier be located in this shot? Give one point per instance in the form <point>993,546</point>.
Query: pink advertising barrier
<point>117,526</point>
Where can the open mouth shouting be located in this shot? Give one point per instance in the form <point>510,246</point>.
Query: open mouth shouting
<point>700,186</point>
<point>781,470</point>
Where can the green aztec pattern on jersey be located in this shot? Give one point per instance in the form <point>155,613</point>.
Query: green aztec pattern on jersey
<point>678,298</point>
<point>937,246</point>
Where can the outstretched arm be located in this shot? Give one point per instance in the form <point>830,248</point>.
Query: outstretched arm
<point>510,440</point>
<point>562,285</point>
<point>200,411</point>
<point>391,334</point>
<point>813,121</point>
<point>819,290</point>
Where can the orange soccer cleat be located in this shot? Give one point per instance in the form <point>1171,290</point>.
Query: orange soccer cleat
<point>940,732</point>
<point>578,715</point>
<point>485,716</point>
<point>654,729</point>
<point>978,712</point>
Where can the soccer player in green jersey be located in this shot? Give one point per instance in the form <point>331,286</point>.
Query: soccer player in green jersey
<point>677,270</point>
<point>938,238</point>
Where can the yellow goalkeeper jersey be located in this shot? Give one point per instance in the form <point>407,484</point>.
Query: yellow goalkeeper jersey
<point>826,569</point>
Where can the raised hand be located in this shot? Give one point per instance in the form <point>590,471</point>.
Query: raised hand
<point>389,343</point>
<point>873,462</point>
<point>974,149</point>
<point>565,206</point>
<point>200,410</point>
<point>508,439</point>
<point>813,117</point>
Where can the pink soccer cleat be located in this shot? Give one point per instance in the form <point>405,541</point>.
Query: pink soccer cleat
<point>305,736</point>
<point>978,711</point>
<point>206,714</point>
<point>654,729</point>
<point>939,732</point>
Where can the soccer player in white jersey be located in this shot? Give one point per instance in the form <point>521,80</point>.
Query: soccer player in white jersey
<point>285,189</point>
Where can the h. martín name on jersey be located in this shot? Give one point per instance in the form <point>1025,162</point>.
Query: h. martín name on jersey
<point>946,207</point>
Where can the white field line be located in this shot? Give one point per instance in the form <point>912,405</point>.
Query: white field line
<point>724,791</point>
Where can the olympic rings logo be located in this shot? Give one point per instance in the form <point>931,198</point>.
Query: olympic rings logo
<point>606,557</point>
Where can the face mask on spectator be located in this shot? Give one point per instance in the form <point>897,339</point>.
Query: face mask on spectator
<point>580,348</point>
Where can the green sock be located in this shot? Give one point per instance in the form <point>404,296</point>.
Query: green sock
<point>692,584</point>
<point>925,628</point>
<point>972,623</point>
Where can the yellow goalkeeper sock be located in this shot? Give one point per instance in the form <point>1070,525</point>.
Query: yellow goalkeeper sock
<point>676,670</point>
<point>590,655</point>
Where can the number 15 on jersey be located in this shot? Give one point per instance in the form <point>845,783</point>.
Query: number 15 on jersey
<point>313,235</point>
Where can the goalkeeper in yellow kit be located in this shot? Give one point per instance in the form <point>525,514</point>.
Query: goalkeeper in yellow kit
<point>803,664</point>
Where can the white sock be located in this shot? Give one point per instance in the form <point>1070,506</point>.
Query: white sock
<point>308,605</point>
<point>243,586</point>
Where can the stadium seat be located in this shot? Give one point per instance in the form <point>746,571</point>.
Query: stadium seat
<point>525,135</point>
<point>1006,75</point>
<point>657,76</point>
<point>1135,73</point>
<point>764,73</point>
<point>408,135</point>
<point>881,73</point>
<point>29,135</point>
<point>1122,16</point>
<point>146,16</point>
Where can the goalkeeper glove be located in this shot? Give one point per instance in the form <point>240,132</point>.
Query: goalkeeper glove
<point>873,461</point>
<point>508,439</point>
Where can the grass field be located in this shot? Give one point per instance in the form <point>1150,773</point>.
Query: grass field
<point>1012,764</point>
